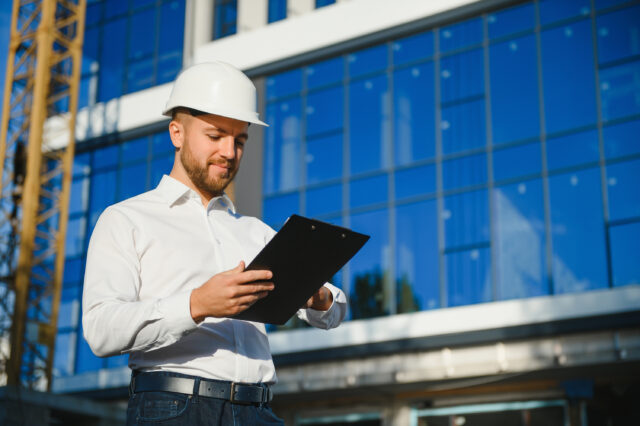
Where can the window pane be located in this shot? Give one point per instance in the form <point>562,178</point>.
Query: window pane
<point>172,24</point>
<point>103,194</point>
<point>573,150</point>
<point>373,190</point>
<point>554,10</point>
<point>517,161</point>
<point>620,91</point>
<point>625,246</point>
<point>417,265</point>
<point>462,76</point>
<point>277,10</point>
<point>369,124</point>
<point>135,150</point>
<point>161,144</point>
<point>79,195</point>
<point>577,228</point>
<point>93,14</point>
<point>73,271</point>
<point>75,237</point>
<point>368,296</point>
<point>468,277</point>
<point>81,164</point>
<point>511,21</point>
<point>466,219</point>
<point>622,184</point>
<point>323,3</point>
<point>133,181</point>
<point>140,75</point>
<point>415,181</point>
<point>117,361</point>
<point>160,166</point>
<point>618,34</point>
<point>324,111</point>
<point>282,146</point>
<point>621,139</point>
<point>514,90</point>
<point>105,157</point>
<point>286,83</point>
<point>85,359</point>
<point>324,158</point>
<point>112,61</point>
<point>414,114</point>
<point>143,24</point>
<point>323,200</point>
<point>412,48</point>
<point>465,171</point>
<point>463,127</point>
<point>225,15</point>
<point>90,51</point>
<point>567,67</point>
<point>324,73</point>
<point>520,240</point>
<point>602,4</point>
<point>367,61</point>
<point>115,8</point>
<point>63,356</point>
<point>460,35</point>
<point>168,67</point>
<point>277,209</point>
<point>69,309</point>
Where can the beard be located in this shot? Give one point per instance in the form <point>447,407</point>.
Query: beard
<point>199,173</point>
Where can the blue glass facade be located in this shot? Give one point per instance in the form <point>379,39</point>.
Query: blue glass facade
<point>225,18</point>
<point>130,46</point>
<point>490,159</point>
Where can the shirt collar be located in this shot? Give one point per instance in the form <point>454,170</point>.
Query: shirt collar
<point>173,190</point>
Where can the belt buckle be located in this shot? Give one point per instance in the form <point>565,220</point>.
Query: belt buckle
<point>232,397</point>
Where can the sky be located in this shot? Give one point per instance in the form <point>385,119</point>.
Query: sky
<point>5,24</point>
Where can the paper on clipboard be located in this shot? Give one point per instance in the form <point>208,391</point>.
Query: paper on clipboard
<point>303,256</point>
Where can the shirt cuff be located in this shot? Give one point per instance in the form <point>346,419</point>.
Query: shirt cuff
<point>176,311</point>
<point>333,316</point>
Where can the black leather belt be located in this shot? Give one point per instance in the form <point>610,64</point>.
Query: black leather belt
<point>240,393</point>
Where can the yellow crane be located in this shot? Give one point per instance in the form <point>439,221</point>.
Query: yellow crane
<point>42,81</point>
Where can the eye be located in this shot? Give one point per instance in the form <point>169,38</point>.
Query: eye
<point>214,138</point>
<point>240,142</point>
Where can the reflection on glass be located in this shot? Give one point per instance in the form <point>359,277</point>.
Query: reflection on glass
<point>625,246</point>
<point>414,113</point>
<point>463,127</point>
<point>367,191</point>
<point>63,356</point>
<point>136,149</point>
<point>368,296</point>
<point>79,195</point>
<point>105,157</point>
<point>325,72</point>
<point>577,229</point>
<point>468,277</point>
<point>519,240</point>
<point>573,150</point>
<point>75,237</point>
<point>568,80</point>
<point>514,71</point>
<point>73,271</point>
<point>143,25</point>
<point>417,265</point>
<point>282,146</point>
<point>277,209</point>
<point>85,359</point>
<point>160,166</point>
<point>517,161</point>
<point>367,61</point>
<point>324,158</point>
<point>283,84</point>
<point>620,91</point>
<point>369,124</point>
<point>622,186</point>
<point>462,75</point>
<point>621,139</point>
<point>139,75</point>
<point>323,200</point>
<point>103,194</point>
<point>415,181</point>
<point>618,34</point>
<point>111,69</point>
<point>466,219</point>
<point>413,48</point>
<point>512,20</point>
<point>324,111</point>
<point>133,181</point>
<point>461,35</point>
<point>554,10</point>
<point>465,171</point>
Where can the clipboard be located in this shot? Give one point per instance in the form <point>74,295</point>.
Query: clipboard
<point>303,256</point>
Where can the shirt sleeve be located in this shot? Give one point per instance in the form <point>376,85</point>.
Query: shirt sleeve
<point>332,317</point>
<point>114,320</point>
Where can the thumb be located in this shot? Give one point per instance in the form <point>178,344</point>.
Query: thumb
<point>240,267</point>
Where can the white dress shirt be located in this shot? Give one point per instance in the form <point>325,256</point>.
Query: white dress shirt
<point>146,255</point>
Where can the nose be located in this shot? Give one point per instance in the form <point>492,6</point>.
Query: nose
<point>228,147</point>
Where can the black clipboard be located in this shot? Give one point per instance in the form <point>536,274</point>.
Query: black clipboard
<point>303,256</point>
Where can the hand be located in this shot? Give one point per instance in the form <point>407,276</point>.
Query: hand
<point>321,301</point>
<point>229,293</point>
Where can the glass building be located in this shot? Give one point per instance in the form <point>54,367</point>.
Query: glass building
<point>490,148</point>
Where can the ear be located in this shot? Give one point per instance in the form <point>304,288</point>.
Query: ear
<point>176,133</point>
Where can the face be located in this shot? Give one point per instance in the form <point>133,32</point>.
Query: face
<point>210,148</point>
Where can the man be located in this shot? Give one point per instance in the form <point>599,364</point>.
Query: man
<point>165,271</point>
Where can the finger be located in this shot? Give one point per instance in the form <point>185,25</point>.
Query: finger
<point>250,276</point>
<point>253,288</point>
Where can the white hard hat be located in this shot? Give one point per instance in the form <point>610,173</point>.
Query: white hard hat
<point>215,88</point>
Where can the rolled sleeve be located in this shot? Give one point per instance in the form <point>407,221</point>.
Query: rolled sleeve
<point>332,317</point>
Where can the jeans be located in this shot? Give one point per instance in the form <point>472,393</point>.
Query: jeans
<point>175,409</point>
